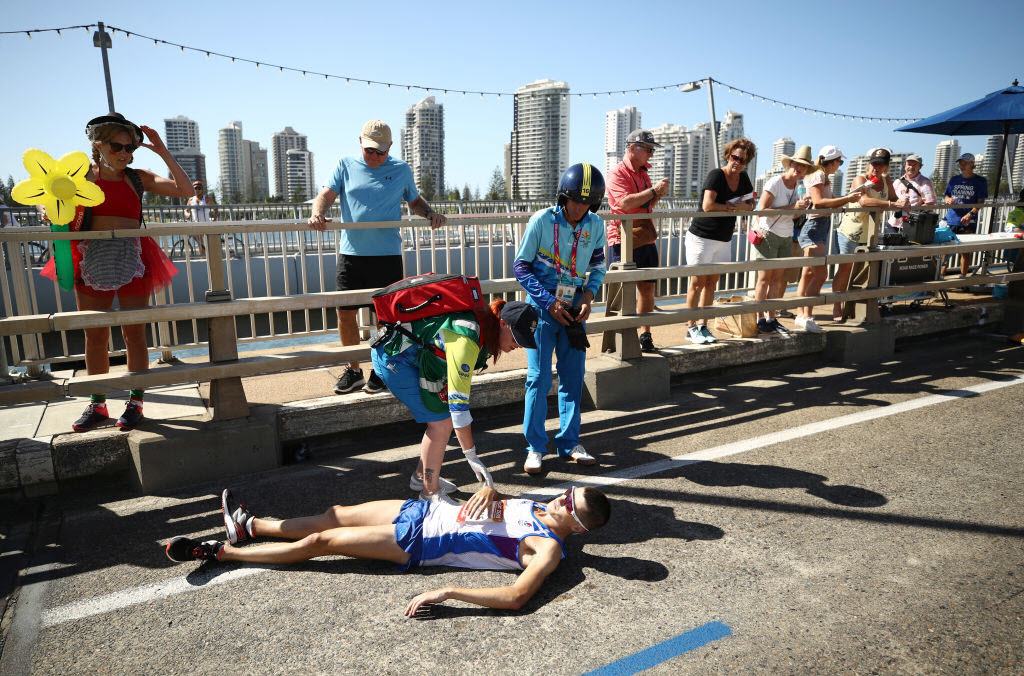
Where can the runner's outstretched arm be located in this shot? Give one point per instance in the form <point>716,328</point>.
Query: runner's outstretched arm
<point>512,597</point>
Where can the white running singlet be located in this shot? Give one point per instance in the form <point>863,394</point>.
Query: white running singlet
<point>490,542</point>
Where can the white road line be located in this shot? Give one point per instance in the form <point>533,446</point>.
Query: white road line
<point>144,594</point>
<point>157,590</point>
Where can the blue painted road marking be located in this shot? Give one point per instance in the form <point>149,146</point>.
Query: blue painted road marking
<point>645,659</point>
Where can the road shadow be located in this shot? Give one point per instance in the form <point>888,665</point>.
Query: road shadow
<point>711,473</point>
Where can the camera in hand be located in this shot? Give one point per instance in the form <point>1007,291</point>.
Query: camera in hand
<point>575,332</point>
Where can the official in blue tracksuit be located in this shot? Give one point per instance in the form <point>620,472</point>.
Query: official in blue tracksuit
<point>561,265</point>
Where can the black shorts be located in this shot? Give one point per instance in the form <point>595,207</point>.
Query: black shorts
<point>367,272</point>
<point>645,256</point>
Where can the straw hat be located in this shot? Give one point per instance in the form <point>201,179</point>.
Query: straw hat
<point>801,156</point>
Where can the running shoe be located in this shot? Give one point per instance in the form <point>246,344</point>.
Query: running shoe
<point>350,381</point>
<point>647,343</point>
<point>444,486</point>
<point>708,336</point>
<point>132,415</point>
<point>237,520</point>
<point>777,327</point>
<point>694,335</point>
<point>94,416</point>
<point>763,326</point>
<point>580,455</point>
<point>807,324</point>
<point>534,462</point>
<point>440,498</point>
<point>183,549</point>
<point>374,384</point>
<point>786,314</point>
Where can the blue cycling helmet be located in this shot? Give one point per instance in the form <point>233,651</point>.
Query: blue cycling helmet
<point>581,183</point>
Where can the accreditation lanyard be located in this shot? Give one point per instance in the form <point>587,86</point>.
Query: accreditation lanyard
<point>570,288</point>
<point>572,254</point>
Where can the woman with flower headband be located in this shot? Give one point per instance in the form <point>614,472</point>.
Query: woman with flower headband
<point>131,269</point>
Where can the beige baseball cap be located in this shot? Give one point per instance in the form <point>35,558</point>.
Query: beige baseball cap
<point>376,135</point>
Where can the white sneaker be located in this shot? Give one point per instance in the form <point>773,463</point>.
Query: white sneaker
<point>807,324</point>
<point>694,335</point>
<point>580,455</point>
<point>442,498</point>
<point>443,485</point>
<point>534,462</point>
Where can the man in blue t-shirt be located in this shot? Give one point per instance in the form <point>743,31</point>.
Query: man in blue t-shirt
<point>967,188</point>
<point>372,187</point>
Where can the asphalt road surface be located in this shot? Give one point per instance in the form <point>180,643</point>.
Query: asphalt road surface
<point>800,518</point>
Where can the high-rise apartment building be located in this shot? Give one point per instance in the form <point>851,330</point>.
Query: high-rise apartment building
<point>617,125</point>
<point>992,158</point>
<point>728,131</point>
<point>837,183</point>
<point>233,179</point>
<point>946,153</point>
<point>423,142</point>
<point>256,169</point>
<point>856,166</point>
<point>181,136</point>
<point>507,152</point>
<point>684,158</point>
<point>281,143</point>
<point>540,139</point>
<point>181,133</point>
<point>301,185</point>
<point>784,146</point>
<point>1018,166</point>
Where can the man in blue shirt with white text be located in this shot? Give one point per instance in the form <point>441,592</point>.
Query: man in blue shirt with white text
<point>967,188</point>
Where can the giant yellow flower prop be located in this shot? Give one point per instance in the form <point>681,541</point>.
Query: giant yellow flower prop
<point>59,185</point>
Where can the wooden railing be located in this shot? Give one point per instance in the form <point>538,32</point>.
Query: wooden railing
<point>225,369</point>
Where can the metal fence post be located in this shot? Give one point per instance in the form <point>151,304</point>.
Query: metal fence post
<point>227,396</point>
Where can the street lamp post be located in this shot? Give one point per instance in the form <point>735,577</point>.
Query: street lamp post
<point>694,86</point>
<point>101,39</point>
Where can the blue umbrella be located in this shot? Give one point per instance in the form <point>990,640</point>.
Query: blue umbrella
<point>1001,112</point>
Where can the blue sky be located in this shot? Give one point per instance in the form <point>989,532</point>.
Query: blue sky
<point>872,59</point>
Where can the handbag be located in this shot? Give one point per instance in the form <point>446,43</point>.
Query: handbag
<point>755,236</point>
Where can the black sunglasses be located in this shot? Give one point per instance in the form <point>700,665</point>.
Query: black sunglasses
<point>118,147</point>
<point>374,151</point>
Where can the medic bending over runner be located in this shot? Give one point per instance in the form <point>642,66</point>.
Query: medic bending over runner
<point>490,532</point>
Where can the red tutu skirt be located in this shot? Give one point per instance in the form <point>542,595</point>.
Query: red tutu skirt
<point>159,271</point>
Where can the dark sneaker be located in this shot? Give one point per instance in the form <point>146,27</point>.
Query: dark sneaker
<point>237,520</point>
<point>374,384</point>
<point>94,416</point>
<point>183,549</point>
<point>132,415</point>
<point>786,314</point>
<point>778,328</point>
<point>763,326</point>
<point>350,381</point>
<point>647,343</point>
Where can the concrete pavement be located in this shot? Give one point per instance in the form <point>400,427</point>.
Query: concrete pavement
<point>843,519</point>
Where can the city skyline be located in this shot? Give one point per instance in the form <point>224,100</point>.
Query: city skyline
<point>214,91</point>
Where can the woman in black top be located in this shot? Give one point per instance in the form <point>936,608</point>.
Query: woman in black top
<point>709,240</point>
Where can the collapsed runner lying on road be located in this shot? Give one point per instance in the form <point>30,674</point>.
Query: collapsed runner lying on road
<point>489,532</point>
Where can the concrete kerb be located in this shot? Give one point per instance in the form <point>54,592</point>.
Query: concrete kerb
<point>165,454</point>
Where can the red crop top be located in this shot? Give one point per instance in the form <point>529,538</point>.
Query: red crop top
<point>120,200</point>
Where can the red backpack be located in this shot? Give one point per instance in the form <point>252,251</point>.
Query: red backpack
<point>425,295</point>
